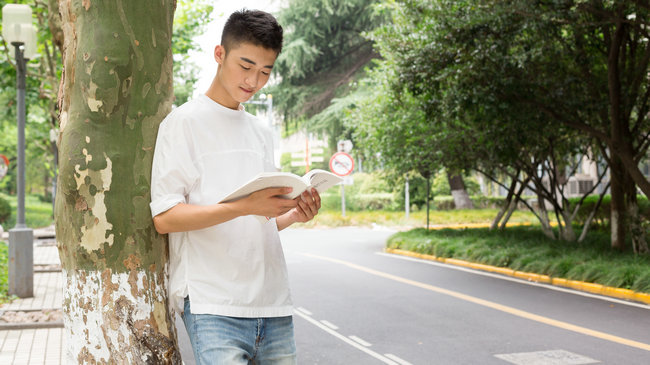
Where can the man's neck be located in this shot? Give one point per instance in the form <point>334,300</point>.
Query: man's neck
<point>220,96</point>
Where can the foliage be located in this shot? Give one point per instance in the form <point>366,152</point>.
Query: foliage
<point>526,249</point>
<point>190,20</point>
<point>324,51</point>
<point>446,202</point>
<point>37,212</point>
<point>602,215</point>
<point>507,88</point>
<point>43,74</point>
<point>5,210</point>
<point>331,217</point>
<point>4,273</point>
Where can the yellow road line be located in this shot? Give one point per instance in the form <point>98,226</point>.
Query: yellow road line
<point>489,304</point>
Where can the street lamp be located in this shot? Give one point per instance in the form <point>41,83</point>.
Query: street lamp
<point>17,29</point>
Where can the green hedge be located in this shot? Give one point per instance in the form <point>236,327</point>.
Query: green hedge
<point>480,202</point>
<point>5,210</point>
<point>603,214</point>
<point>359,202</point>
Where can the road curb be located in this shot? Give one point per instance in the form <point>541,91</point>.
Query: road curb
<point>30,325</point>
<point>573,284</point>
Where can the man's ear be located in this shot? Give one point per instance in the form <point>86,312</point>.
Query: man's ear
<point>219,53</point>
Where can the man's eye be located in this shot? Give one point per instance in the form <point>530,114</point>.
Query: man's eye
<point>266,73</point>
<point>245,68</point>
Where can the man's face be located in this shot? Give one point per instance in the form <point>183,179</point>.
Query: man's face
<point>243,71</point>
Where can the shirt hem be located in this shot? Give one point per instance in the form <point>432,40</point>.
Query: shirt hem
<point>241,312</point>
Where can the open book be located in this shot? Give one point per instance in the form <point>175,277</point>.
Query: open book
<point>320,180</point>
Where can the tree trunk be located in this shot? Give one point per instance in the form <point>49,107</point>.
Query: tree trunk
<point>568,233</point>
<point>458,191</point>
<point>116,89</point>
<point>543,216</point>
<point>637,233</point>
<point>506,204</point>
<point>54,22</point>
<point>617,192</point>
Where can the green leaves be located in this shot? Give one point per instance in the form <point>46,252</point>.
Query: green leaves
<point>324,51</point>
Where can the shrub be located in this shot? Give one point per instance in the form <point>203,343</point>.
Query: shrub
<point>5,210</point>
<point>376,201</point>
<point>602,217</point>
<point>480,202</point>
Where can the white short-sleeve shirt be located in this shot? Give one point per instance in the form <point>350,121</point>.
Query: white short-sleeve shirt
<point>203,152</point>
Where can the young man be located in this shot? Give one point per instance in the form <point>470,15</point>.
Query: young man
<point>227,270</point>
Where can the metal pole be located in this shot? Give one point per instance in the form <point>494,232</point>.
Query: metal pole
<point>342,200</point>
<point>21,238</point>
<point>20,184</point>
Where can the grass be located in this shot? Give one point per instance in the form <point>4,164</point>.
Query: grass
<point>4,275</point>
<point>527,249</point>
<point>37,214</point>
<point>333,218</point>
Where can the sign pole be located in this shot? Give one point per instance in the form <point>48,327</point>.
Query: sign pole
<point>342,164</point>
<point>343,200</point>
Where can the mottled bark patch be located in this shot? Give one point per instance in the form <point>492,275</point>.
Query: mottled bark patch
<point>92,186</point>
<point>107,324</point>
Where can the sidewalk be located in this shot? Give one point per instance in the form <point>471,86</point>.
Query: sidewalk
<point>34,343</point>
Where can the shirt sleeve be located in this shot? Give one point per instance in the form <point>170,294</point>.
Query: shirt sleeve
<point>173,172</point>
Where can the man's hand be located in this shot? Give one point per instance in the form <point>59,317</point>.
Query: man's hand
<point>188,217</point>
<point>309,204</point>
<point>267,203</point>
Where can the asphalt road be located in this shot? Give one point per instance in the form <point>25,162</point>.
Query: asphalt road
<point>357,305</point>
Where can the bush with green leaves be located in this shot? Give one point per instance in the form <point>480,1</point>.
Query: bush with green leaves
<point>527,249</point>
<point>5,210</point>
<point>479,201</point>
<point>602,217</point>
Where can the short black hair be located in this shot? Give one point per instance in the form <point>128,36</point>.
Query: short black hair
<point>252,26</point>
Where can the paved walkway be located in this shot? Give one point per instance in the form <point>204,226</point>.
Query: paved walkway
<point>28,346</point>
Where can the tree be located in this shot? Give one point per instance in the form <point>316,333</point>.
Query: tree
<point>190,20</point>
<point>324,52</point>
<point>428,64</point>
<point>399,131</point>
<point>116,89</point>
<point>43,76</point>
<point>580,65</point>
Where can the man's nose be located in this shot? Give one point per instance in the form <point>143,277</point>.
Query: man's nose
<point>252,80</point>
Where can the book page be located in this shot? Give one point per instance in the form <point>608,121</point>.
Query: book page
<point>321,180</point>
<point>269,180</point>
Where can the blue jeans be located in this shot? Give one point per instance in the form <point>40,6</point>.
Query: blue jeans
<point>227,340</point>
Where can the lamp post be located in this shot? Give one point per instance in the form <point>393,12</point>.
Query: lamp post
<point>17,30</point>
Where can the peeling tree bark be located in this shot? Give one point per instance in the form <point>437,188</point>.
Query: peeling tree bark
<point>116,89</point>
<point>458,191</point>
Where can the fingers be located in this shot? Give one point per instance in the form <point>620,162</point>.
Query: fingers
<point>278,191</point>
<point>310,203</point>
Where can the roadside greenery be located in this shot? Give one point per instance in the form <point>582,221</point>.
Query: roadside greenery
<point>4,273</point>
<point>398,220</point>
<point>527,249</point>
<point>38,213</point>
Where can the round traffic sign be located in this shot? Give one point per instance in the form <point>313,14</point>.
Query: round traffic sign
<point>341,164</point>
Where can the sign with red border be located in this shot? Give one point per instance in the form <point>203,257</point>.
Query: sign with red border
<point>341,164</point>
